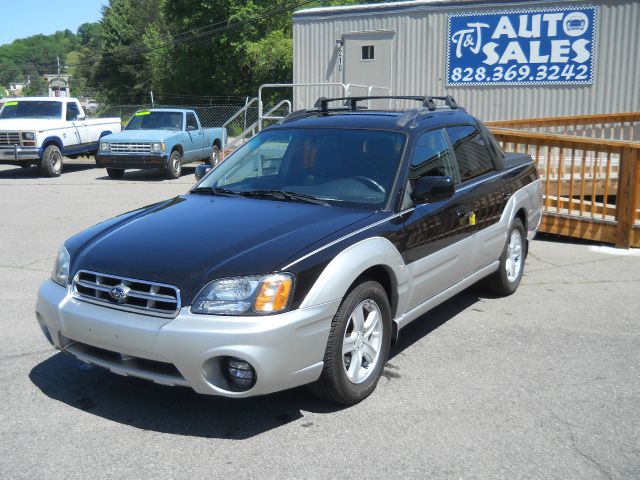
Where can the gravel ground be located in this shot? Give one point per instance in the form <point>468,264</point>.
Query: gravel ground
<point>542,384</point>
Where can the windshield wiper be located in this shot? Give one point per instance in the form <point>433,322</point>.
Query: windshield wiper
<point>285,196</point>
<point>214,191</point>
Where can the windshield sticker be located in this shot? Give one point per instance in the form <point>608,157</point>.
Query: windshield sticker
<point>139,114</point>
<point>10,104</point>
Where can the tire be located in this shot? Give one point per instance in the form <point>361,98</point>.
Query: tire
<point>174,165</point>
<point>51,163</point>
<point>214,156</point>
<point>506,280</point>
<point>115,172</point>
<point>341,380</point>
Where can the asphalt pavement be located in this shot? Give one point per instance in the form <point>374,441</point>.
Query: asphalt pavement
<point>542,384</point>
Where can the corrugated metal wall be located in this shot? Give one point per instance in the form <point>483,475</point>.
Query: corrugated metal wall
<point>420,61</point>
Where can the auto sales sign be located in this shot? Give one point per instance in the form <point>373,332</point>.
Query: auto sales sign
<point>522,47</point>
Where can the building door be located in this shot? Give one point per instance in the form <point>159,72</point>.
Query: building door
<point>368,61</point>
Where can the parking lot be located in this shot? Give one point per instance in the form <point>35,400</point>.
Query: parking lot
<point>542,384</point>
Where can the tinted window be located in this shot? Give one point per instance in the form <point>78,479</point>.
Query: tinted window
<point>148,120</point>
<point>472,154</point>
<point>32,109</point>
<point>340,166</point>
<point>72,111</point>
<point>432,157</point>
<point>192,124</point>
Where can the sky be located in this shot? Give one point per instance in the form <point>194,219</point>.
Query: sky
<point>23,18</point>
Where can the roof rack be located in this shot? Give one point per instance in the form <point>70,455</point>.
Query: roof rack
<point>352,102</point>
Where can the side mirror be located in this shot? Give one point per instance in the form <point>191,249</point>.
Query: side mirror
<point>202,170</point>
<point>191,128</point>
<point>81,118</point>
<point>433,189</point>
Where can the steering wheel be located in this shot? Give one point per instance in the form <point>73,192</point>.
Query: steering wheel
<point>371,183</point>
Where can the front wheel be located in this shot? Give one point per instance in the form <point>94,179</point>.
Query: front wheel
<point>358,346</point>
<point>506,280</point>
<point>174,165</point>
<point>51,163</point>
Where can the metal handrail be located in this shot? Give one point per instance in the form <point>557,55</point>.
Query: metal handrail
<point>239,112</point>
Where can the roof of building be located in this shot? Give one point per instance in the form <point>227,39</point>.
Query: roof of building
<point>407,5</point>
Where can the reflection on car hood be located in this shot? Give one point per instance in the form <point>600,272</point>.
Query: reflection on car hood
<point>140,136</point>
<point>193,239</point>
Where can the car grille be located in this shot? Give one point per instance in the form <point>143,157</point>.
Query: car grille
<point>142,297</point>
<point>9,138</point>
<point>131,147</point>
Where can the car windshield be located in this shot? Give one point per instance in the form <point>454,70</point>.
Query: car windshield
<point>335,166</point>
<point>32,109</point>
<point>147,120</point>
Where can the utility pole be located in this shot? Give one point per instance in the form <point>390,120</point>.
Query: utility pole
<point>58,60</point>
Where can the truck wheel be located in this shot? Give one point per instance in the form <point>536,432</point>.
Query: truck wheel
<point>174,165</point>
<point>115,172</point>
<point>214,156</point>
<point>51,163</point>
<point>358,346</point>
<point>506,280</point>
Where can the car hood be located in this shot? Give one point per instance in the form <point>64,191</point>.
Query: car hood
<point>29,124</point>
<point>140,136</point>
<point>193,239</point>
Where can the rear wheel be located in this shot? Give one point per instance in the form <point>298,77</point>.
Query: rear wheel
<point>358,346</point>
<point>115,172</point>
<point>506,280</point>
<point>214,156</point>
<point>51,163</point>
<point>174,165</point>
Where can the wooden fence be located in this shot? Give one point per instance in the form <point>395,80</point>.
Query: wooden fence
<point>591,186</point>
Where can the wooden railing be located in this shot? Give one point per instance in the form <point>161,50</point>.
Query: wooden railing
<point>610,126</point>
<point>591,186</point>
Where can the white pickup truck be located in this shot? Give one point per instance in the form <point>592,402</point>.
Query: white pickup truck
<point>43,130</point>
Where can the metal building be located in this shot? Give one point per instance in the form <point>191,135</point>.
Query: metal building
<point>500,60</point>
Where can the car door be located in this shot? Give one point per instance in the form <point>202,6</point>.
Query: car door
<point>195,137</point>
<point>481,197</point>
<point>437,250</point>
<point>79,126</point>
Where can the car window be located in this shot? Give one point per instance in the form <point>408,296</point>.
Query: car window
<point>72,111</point>
<point>432,156</point>
<point>348,167</point>
<point>192,124</point>
<point>472,154</point>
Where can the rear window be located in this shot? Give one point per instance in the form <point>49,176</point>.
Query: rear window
<point>471,152</point>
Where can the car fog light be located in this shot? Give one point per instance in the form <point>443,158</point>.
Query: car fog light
<point>240,374</point>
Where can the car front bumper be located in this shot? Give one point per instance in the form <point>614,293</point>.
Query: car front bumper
<point>286,350</point>
<point>131,161</point>
<point>15,153</point>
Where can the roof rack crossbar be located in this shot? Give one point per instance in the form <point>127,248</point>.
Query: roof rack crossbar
<point>352,102</point>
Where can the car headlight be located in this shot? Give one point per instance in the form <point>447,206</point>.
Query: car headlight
<point>157,147</point>
<point>28,136</point>
<point>60,273</point>
<point>105,147</point>
<point>245,295</point>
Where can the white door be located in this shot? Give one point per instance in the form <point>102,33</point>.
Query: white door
<point>368,61</point>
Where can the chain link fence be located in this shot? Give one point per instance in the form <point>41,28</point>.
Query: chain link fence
<point>210,115</point>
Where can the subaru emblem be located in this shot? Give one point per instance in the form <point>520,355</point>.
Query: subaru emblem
<point>119,293</point>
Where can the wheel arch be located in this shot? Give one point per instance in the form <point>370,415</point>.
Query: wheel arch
<point>218,143</point>
<point>178,148</point>
<point>52,141</point>
<point>374,258</point>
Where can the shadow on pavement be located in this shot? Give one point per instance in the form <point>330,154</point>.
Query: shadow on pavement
<point>181,411</point>
<point>175,410</point>
<point>152,175</point>
<point>34,172</point>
